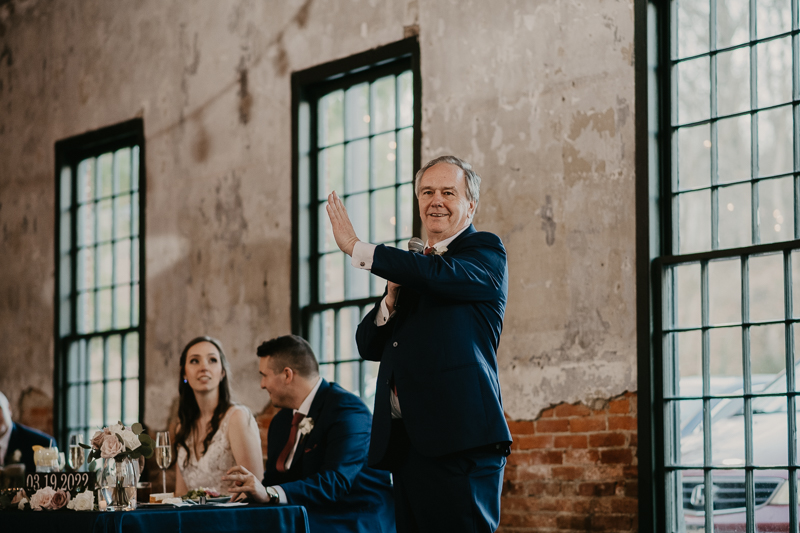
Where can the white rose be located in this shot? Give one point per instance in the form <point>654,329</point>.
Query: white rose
<point>17,457</point>
<point>130,439</point>
<point>42,498</point>
<point>82,502</point>
<point>22,503</point>
<point>117,428</point>
<point>306,425</point>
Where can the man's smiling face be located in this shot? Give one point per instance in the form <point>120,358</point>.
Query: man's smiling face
<point>443,204</point>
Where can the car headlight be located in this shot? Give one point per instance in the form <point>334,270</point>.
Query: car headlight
<point>781,496</point>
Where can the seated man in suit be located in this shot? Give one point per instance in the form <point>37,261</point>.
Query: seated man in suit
<point>16,440</point>
<point>317,447</point>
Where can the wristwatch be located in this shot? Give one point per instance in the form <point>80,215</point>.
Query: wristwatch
<point>274,497</point>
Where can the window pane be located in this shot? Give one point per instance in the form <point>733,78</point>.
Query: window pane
<point>775,209</point>
<point>735,227</point>
<point>122,210</point>
<point>135,170</point>
<point>123,160</point>
<point>692,31</point>
<point>383,207</point>
<point>358,209</point>
<point>86,180</point>
<point>727,439</point>
<point>766,287</point>
<point>135,214</point>
<point>694,90</point>
<point>75,368</point>
<point>733,81</point>
<point>327,372</point>
<point>122,306</point>
<point>348,321</point>
<point>331,171</point>
<point>122,251</point>
<point>86,214</point>
<point>356,283</point>
<point>383,105</point>
<point>796,286</point>
<point>331,276</point>
<point>105,214</point>
<point>405,97</point>
<point>688,352</point>
<point>132,355</point>
<point>357,158</point>
<point>85,313</point>
<point>105,266</point>
<point>725,292</point>
<point>725,361</point>
<point>328,340</point>
<point>694,157</point>
<point>114,408</point>
<point>114,346</point>
<point>775,141</point>
<point>331,127</point>
<point>327,243</point>
<point>683,414</point>
<point>96,405</point>
<point>104,175</point>
<point>405,214</point>
<point>405,156</point>
<point>85,268</point>
<point>695,221</point>
<point>357,109</point>
<point>104,309</point>
<point>767,349</point>
<point>378,285</point>
<point>686,300</point>
<point>733,21</point>
<point>96,359</point>
<point>135,306</point>
<point>132,401</point>
<point>383,160</point>
<point>774,64</point>
<point>733,149</point>
<point>347,375</point>
<point>773,17</point>
<point>135,259</point>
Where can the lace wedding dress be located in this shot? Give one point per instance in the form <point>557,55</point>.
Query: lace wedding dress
<point>207,471</point>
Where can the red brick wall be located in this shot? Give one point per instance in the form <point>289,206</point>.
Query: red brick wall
<point>573,469</point>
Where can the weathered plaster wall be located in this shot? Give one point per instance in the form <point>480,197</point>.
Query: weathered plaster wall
<point>538,95</point>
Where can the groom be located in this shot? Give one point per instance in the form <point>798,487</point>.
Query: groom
<point>317,447</point>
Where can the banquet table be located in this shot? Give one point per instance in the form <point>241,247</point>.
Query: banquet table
<point>196,519</point>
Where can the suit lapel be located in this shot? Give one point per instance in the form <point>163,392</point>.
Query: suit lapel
<point>458,241</point>
<point>13,443</point>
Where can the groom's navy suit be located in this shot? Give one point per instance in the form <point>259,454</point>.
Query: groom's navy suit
<point>23,439</point>
<point>439,351</point>
<point>329,473</point>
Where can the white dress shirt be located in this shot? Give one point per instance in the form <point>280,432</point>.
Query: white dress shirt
<point>363,253</point>
<point>4,440</point>
<point>304,408</point>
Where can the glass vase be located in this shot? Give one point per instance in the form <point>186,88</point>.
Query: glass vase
<point>117,484</point>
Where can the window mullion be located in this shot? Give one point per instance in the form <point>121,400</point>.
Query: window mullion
<point>706,367</point>
<point>748,401</point>
<point>791,426</point>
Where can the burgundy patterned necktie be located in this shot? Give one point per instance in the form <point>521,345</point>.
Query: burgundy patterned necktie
<point>428,250</point>
<point>280,466</point>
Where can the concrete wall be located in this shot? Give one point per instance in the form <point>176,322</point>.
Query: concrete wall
<point>537,95</point>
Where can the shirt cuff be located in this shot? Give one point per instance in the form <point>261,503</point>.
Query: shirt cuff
<point>282,494</point>
<point>383,316</point>
<point>362,255</point>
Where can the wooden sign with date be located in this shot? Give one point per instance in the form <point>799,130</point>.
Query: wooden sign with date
<point>60,481</point>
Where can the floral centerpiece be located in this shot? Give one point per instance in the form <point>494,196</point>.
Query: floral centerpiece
<point>118,442</point>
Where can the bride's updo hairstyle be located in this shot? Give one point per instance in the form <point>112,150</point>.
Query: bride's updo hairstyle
<point>189,411</point>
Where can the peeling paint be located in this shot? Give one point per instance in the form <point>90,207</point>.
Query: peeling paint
<point>548,224</point>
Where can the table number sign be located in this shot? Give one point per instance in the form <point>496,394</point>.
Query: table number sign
<point>60,481</point>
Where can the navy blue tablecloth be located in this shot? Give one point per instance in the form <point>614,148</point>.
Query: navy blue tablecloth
<point>249,519</point>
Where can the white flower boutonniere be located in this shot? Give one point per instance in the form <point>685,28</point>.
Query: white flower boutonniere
<point>305,426</point>
<point>16,457</point>
<point>439,251</point>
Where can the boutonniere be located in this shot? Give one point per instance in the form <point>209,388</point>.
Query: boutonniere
<point>16,457</point>
<point>439,251</point>
<point>306,425</point>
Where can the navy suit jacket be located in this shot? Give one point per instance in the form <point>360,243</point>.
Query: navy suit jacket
<point>440,348</point>
<point>329,473</point>
<point>23,439</point>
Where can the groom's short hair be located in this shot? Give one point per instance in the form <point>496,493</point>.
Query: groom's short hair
<point>293,352</point>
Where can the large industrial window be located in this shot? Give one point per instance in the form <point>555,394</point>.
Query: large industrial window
<point>727,326</point>
<point>357,132</point>
<point>100,321</point>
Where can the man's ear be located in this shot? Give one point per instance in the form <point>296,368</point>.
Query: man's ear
<point>288,375</point>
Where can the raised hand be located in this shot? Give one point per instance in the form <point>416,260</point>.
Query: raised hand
<point>245,485</point>
<point>343,231</point>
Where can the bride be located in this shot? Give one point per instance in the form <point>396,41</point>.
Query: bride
<point>213,434</point>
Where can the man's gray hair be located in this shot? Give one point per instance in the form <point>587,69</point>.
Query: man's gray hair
<point>471,177</point>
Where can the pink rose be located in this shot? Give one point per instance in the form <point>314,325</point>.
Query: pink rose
<point>98,438</point>
<point>111,447</point>
<point>41,500</point>
<point>59,500</point>
<point>18,497</point>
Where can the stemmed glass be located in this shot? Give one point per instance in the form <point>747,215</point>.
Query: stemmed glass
<point>76,453</point>
<point>163,455</point>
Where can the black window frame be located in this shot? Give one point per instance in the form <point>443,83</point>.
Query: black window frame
<point>307,87</point>
<point>69,153</point>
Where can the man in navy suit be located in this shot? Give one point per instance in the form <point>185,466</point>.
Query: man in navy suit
<point>317,447</point>
<point>439,424</point>
<point>16,440</point>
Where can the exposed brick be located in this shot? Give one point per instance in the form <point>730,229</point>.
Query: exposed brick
<point>570,441</point>
<point>624,505</point>
<point>527,520</point>
<point>545,458</point>
<point>568,472</point>
<point>631,489</point>
<point>581,522</point>
<point>606,440</point>
<point>528,442</point>
<point>622,422</point>
<point>611,523</point>
<point>620,407</point>
<point>520,427</point>
<point>548,413</point>
<point>573,457</point>
<point>552,425</point>
<point>631,472</point>
<point>634,440</point>
<point>587,424</point>
<point>565,410</point>
<point>596,489</point>
<point>616,456</point>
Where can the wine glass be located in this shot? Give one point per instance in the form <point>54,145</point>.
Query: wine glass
<point>163,455</point>
<point>76,453</point>
<point>61,462</point>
